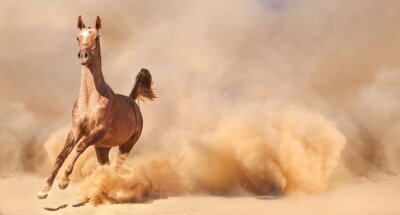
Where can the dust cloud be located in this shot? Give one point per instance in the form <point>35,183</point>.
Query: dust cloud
<point>261,148</point>
<point>260,96</point>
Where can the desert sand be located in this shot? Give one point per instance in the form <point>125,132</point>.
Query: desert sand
<point>363,196</point>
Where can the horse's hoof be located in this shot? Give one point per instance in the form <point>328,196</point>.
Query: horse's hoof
<point>63,184</point>
<point>41,195</point>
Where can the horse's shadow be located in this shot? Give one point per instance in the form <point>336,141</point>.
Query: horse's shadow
<point>56,208</point>
<point>150,200</point>
<point>80,204</point>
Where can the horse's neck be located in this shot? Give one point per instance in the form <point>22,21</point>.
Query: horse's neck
<point>93,85</point>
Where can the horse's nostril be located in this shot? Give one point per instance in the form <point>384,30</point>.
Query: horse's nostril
<point>86,54</point>
<point>79,54</point>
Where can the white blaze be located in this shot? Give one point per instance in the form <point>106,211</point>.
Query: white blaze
<point>85,34</point>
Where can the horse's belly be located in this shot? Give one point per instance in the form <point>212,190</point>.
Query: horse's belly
<point>107,143</point>
<point>118,133</point>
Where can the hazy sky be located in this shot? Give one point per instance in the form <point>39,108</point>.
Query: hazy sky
<point>336,58</point>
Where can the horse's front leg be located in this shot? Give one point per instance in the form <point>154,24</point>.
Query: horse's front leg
<point>96,135</point>
<point>69,145</point>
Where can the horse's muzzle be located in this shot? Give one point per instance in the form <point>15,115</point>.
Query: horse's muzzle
<point>84,56</point>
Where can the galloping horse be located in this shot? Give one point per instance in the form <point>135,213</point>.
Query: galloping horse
<point>100,118</point>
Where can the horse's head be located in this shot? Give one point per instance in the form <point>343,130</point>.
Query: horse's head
<point>88,40</point>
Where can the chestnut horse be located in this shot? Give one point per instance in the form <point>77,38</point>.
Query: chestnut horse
<point>100,118</point>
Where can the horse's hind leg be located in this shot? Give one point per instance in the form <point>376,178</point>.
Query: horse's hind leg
<point>102,155</point>
<point>125,148</point>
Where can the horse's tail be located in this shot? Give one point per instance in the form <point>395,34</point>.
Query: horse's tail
<point>142,89</point>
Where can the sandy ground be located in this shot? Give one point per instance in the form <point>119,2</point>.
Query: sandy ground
<point>362,197</point>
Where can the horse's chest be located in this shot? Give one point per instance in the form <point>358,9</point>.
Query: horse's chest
<point>90,116</point>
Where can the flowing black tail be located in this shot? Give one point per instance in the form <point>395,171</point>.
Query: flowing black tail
<point>142,89</point>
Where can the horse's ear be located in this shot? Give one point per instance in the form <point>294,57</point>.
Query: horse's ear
<point>81,25</point>
<point>98,23</point>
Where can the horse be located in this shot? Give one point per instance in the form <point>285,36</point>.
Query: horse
<point>100,117</point>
